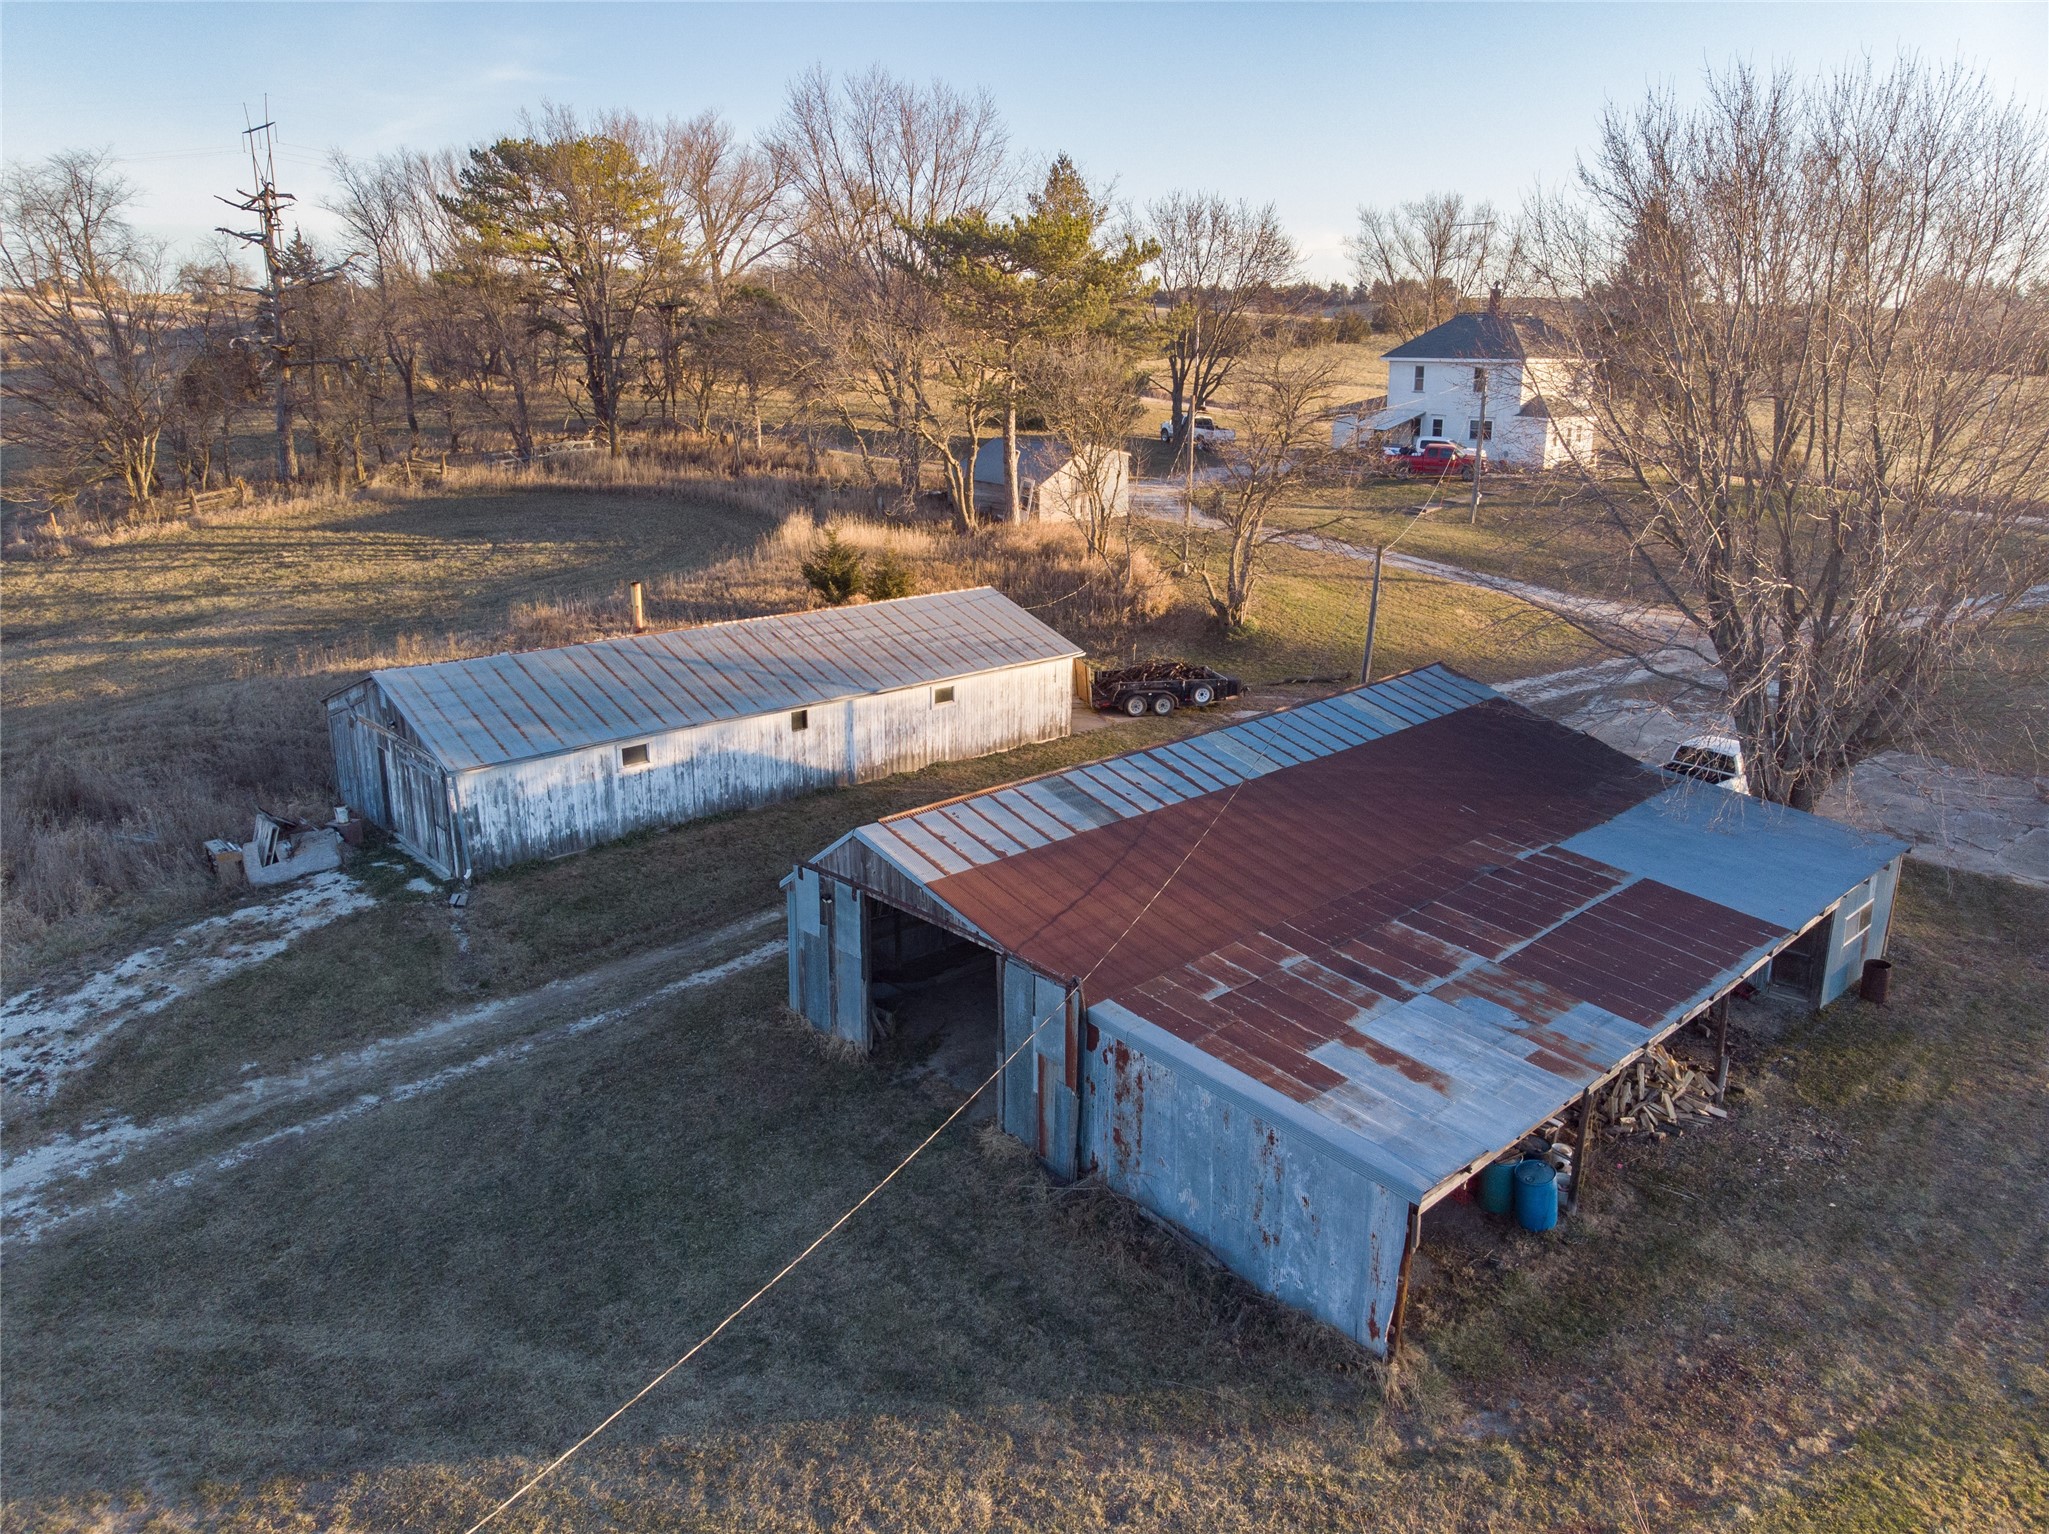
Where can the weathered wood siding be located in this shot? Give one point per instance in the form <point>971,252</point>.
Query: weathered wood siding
<point>1226,1162</point>
<point>356,777</point>
<point>391,781</point>
<point>563,803</point>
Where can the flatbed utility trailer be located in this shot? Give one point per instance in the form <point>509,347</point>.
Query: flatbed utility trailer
<point>1159,687</point>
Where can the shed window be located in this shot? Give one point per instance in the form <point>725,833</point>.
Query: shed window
<point>1419,379</point>
<point>633,756</point>
<point>1856,924</point>
<point>942,695</point>
<point>801,719</point>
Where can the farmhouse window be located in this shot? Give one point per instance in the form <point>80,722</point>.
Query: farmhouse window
<point>801,719</point>
<point>942,695</point>
<point>1419,379</point>
<point>633,756</point>
<point>1480,380</point>
<point>1437,426</point>
<point>1475,431</point>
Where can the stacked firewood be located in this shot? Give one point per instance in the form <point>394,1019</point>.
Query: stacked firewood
<point>1657,1094</point>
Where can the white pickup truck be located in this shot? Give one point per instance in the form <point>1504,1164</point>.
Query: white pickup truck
<point>1716,759</point>
<point>1207,432</point>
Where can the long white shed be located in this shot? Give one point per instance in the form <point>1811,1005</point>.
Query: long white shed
<point>478,764</point>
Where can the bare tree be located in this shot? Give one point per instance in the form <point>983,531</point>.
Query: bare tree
<point>730,206</point>
<point>1087,391</point>
<point>1802,317</point>
<point>868,158</point>
<point>1419,261</point>
<point>1216,260</point>
<point>1282,398</point>
<point>92,338</point>
<point>387,206</point>
<point>224,374</point>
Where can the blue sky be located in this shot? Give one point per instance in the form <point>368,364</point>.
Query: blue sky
<point>1316,107</point>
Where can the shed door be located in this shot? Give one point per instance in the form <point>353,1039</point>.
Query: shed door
<point>417,799</point>
<point>1040,1027</point>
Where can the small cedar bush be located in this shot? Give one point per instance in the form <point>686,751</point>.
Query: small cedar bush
<point>835,570</point>
<point>889,577</point>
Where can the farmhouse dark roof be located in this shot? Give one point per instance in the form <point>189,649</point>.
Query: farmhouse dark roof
<point>1483,336</point>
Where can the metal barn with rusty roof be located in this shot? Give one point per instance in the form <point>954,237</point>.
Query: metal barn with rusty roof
<point>478,764</point>
<point>1290,982</point>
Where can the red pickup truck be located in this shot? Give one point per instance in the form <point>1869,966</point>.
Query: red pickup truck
<point>1437,460</point>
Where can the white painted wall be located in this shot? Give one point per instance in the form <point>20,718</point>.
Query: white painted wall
<point>576,799</point>
<point>1450,394</point>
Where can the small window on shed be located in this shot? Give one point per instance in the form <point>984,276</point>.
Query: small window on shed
<point>942,695</point>
<point>633,756</point>
<point>800,719</point>
<point>1856,924</point>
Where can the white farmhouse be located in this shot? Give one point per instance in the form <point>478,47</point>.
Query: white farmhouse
<point>1434,390</point>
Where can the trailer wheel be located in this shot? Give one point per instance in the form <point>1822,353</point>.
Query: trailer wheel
<point>1203,695</point>
<point>1134,704</point>
<point>1163,704</point>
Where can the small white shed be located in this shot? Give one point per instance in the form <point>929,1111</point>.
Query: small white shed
<point>479,764</point>
<point>1052,482</point>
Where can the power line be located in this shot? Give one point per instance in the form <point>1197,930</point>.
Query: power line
<point>862,1202</point>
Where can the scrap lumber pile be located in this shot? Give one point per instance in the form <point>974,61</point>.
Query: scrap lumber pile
<point>1657,1094</point>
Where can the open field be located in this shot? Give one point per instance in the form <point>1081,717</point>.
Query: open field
<point>1823,1315</point>
<point>160,688</point>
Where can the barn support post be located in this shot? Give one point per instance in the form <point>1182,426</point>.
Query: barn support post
<point>1720,1012</point>
<point>1396,1322</point>
<point>1582,1146</point>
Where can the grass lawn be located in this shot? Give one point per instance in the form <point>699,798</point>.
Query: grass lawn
<point>1528,529</point>
<point>293,585</point>
<point>1826,1314</point>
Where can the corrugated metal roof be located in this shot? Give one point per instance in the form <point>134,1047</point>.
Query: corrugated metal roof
<point>930,844</point>
<point>508,708</point>
<point>1427,914</point>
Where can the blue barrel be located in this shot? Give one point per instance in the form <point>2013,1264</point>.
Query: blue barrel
<point>1536,1195</point>
<point>1497,1187</point>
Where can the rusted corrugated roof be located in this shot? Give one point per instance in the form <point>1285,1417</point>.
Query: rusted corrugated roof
<point>508,708</point>
<point>1402,927</point>
<point>984,828</point>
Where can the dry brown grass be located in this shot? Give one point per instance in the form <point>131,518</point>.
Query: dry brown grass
<point>163,681</point>
<point>1825,1314</point>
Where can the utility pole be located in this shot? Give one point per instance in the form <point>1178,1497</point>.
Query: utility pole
<point>1372,618</point>
<point>267,203</point>
<point>1479,447</point>
<point>1188,430</point>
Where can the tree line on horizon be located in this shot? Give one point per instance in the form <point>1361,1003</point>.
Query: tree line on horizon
<point>880,259</point>
<point>1808,316</point>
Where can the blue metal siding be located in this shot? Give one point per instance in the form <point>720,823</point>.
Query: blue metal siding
<point>1847,949</point>
<point>1265,1196</point>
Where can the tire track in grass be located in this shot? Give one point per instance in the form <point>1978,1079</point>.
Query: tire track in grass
<point>32,1176</point>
